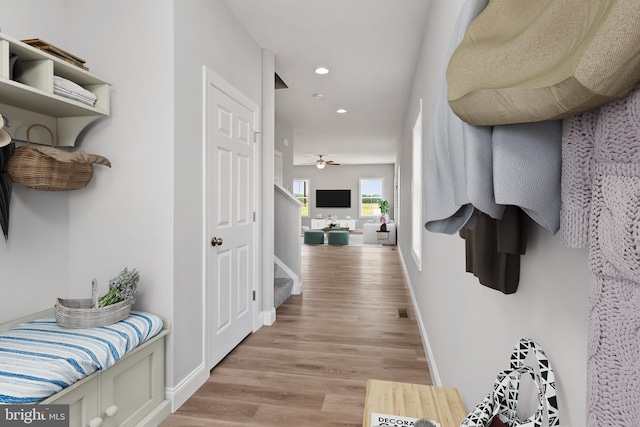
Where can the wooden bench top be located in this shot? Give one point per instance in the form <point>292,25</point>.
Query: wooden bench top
<point>440,404</point>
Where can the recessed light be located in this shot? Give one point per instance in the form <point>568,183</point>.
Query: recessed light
<point>341,111</point>
<point>322,70</point>
<point>318,96</point>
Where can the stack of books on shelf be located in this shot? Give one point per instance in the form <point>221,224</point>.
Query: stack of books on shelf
<point>57,52</point>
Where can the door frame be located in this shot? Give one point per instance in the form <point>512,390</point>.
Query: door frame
<point>209,77</point>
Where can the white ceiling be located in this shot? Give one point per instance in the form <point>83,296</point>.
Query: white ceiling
<point>371,49</point>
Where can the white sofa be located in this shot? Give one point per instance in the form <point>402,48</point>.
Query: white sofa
<point>369,235</point>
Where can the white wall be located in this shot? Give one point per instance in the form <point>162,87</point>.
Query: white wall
<point>127,221</point>
<point>34,259</point>
<point>285,132</point>
<point>205,34</point>
<point>472,329</point>
<point>266,212</point>
<point>341,178</point>
<point>146,211</point>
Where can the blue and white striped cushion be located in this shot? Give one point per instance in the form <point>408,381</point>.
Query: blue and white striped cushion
<point>40,358</point>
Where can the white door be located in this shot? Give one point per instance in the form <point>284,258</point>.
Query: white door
<point>230,228</point>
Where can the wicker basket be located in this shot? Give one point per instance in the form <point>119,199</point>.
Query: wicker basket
<point>78,313</point>
<point>33,169</point>
<point>85,313</point>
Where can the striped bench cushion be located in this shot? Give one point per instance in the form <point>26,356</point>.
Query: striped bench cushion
<point>40,358</point>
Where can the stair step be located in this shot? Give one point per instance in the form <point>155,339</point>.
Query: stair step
<point>282,287</point>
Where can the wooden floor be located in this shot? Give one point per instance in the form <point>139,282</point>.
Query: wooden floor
<point>310,368</point>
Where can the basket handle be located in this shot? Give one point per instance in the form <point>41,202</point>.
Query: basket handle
<point>53,143</point>
<point>94,293</point>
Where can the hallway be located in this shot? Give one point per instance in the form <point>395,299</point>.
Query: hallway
<point>310,368</point>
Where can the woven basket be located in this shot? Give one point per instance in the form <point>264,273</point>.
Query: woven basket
<point>77,313</point>
<point>85,313</point>
<point>33,169</point>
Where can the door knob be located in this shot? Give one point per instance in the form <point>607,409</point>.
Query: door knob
<point>216,241</point>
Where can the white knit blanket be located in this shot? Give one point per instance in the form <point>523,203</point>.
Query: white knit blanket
<point>601,211</point>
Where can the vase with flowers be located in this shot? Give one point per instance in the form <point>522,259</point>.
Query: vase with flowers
<point>123,287</point>
<point>384,210</point>
<point>332,221</point>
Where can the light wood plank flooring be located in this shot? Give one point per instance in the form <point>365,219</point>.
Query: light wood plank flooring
<point>310,368</point>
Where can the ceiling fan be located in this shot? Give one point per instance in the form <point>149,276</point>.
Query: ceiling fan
<point>321,163</point>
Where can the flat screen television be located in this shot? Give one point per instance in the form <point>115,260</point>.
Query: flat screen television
<point>333,198</point>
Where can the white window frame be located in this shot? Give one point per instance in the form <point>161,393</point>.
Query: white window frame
<point>308,195</point>
<point>416,189</point>
<point>376,178</point>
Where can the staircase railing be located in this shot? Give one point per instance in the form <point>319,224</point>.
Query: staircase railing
<point>288,225</point>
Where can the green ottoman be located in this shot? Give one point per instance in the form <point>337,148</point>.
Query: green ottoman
<point>338,237</point>
<point>313,237</point>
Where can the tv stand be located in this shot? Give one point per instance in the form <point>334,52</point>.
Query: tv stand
<point>319,224</point>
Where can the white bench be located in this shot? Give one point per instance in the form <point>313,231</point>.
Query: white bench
<point>129,393</point>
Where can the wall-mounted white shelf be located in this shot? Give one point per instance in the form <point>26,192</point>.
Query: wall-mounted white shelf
<point>32,99</point>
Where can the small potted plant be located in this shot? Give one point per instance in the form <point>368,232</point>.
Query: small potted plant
<point>384,210</point>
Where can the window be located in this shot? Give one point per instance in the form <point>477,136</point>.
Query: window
<point>301,192</point>
<point>416,190</point>
<point>370,194</point>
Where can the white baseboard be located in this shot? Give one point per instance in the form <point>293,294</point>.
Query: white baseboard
<point>297,288</point>
<point>433,369</point>
<point>267,318</point>
<point>187,387</point>
<point>155,417</point>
